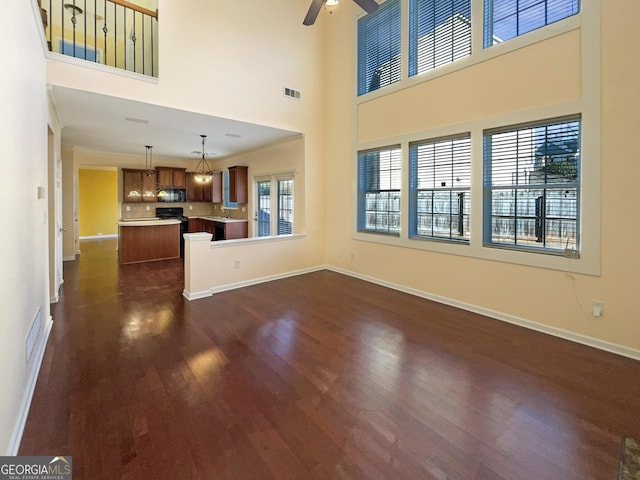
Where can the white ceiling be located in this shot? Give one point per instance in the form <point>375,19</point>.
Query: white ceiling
<point>99,123</point>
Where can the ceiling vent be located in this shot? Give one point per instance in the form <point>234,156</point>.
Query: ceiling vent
<point>292,93</point>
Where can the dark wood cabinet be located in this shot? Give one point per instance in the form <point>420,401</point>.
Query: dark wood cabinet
<point>209,192</point>
<point>238,184</point>
<point>137,186</point>
<point>171,177</point>
<point>219,230</point>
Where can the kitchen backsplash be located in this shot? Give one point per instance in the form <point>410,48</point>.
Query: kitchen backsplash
<point>148,210</point>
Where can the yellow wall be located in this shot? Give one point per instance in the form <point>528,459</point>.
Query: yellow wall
<point>98,202</point>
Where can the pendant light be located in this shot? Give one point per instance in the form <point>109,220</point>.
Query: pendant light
<point>149,172</point>
<point>203,170</point>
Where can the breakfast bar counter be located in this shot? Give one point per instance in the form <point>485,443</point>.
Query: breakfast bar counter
<point>148,240</point>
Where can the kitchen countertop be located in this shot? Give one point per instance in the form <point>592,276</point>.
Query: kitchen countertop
<point>147,223</point>
<point>219,219</point>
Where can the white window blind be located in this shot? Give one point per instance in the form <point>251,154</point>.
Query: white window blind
<point>285,206</point>
<point>439,33</point>
<point>505,19</point>
<point>379,179</point>
<point>532,186</point>
<point>440,179</point>
<point>264,207</point>
<point>379,47</point>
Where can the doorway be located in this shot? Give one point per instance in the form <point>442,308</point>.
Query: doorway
<point>54,198</point>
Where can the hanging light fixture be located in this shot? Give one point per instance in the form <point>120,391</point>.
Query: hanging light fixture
<point>149,173</point>
<point>331,5</point>
<point>203,170</point>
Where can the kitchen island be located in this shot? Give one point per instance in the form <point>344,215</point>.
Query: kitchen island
<point>148,240</point>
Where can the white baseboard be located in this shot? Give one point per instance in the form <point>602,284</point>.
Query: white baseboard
<point>98,237</point>
<point>196,295</point>
<point>247,283</point>
<point>539,327</point>
<point>16,438</point>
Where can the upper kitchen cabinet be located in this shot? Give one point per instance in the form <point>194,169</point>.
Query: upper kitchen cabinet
<point>137,186</point>
<point>171,177</point>
<point>238,184</point>
<point>208,192</point>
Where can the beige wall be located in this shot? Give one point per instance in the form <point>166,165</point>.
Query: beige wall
<point>503,89</point>
<point>24,246</point>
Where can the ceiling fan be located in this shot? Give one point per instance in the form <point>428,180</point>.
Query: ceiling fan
<point>368,6</point>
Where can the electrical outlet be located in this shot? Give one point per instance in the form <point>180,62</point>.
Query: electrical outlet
<point>148,208</point>
<point>597,308</point>
<point>127,208</point>
<point>190,207</point>
<point>236,264</point>
<point>353,256</point>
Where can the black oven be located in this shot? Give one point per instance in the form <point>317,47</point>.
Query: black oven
<point>177,214</point>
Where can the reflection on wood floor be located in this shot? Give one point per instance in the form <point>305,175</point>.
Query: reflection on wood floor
<point>319,376</point>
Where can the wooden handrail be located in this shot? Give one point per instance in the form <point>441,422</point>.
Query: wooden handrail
<point>124,3</point>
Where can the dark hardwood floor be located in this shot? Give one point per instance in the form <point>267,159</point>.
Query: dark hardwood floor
<point>319,376</point>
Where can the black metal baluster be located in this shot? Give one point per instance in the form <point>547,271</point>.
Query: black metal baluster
<point>85,29</point>
<point>152,53</point>
<point>50,13</point>
<point>95,29</point>
<point>73,21</point>
<point>124,35</point>
<point>63,29</point>
<point>143,39</point>
<point>105,29</point>
<point>115,35</point>
<point>133,39</point>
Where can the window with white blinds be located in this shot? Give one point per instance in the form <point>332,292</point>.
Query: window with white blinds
<point>505,19</point>
<point>440,180</point>
<point>379,181</point>
<point>285,206</point>
<point>274,210</point>
<point>439,33</point>
<point>379,47</point>
<point>532,186</point>
<point>263,215</point>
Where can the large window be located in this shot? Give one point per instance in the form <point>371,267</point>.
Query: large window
<point>505,19</point>
<point>281,223</point>
<point>532,186</point>
<point>440,179</point>
<point>226,199</point>
<point>379,179</point>
<point>379,48</point>
<point>439,33</point>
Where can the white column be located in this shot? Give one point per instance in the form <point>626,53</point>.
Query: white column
<point>197,268</point>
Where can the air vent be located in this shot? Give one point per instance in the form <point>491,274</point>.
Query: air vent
<point>292,93</point>
<point>30,343</point>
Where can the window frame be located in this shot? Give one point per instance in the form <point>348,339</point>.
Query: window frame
<point>364,83</point>
<point>489,21</point>
<point>414,190</point>
<point>540,218</point>
<point>416,19</point>
<point>395,156</point>
<point>274,180</point>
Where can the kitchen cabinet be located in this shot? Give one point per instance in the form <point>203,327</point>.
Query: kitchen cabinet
<point>171,177</point>
<point>220,229</point>
<point>238,184</point>
<point>136,180</point>
<point>209,192</point>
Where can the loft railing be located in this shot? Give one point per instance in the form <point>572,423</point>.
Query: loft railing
<point>116,33</point>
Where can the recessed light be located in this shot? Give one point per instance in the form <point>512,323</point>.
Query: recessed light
<point>136,120</point>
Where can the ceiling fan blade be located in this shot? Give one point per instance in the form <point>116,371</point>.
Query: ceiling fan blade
<point>313,12</point>
<point>368,6</point>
